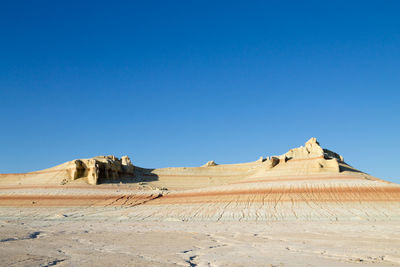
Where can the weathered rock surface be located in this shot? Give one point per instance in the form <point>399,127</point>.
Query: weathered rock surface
<point>306,183</point>
<point>210,163</point>
<point>92,171</point>
<point>101,167</point>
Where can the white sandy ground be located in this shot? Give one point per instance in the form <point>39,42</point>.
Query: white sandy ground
<point>52,236</point>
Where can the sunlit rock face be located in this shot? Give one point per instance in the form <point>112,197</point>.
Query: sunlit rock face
<point>105,168</point>
<point>306,183</point>
<point>91,171</point>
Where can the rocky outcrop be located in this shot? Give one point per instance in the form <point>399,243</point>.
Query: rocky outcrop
<point>100,168</point>
<point>311,149</point>
<point>271,162</point>
<point>260,159</point>
<point>307,159</point>
<point>306,183</point>
<point>304,160</point>
<point>127,166</point>
<point>210,163</point>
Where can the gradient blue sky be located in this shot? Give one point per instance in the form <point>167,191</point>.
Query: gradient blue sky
<point>178,83</point>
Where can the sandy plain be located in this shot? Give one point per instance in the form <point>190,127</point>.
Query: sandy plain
<point>66,237</point>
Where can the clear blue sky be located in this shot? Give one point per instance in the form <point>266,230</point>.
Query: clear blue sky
<point>178,83</point>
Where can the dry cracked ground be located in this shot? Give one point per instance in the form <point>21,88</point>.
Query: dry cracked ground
<point>69,240</point>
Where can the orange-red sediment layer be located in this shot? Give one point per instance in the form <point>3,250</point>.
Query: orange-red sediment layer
<point>302,194</point>
<point>74,200</point>
<point>299,194</point>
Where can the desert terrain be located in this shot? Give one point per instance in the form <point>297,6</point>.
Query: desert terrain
<point>307,207</point>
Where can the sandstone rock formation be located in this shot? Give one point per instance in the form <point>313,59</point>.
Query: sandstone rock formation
<point>308,159</point>
<point>306,183</point>
<point>210,163</point>
<point>101,167</point>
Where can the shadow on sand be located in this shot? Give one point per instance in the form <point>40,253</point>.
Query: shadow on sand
<point>141,175</point>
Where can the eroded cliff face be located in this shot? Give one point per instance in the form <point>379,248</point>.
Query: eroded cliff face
<point>306,183</point>
<point>308,159</point>
<point>105,168</point>
<point>312,149</point>
<point>312,156</point>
